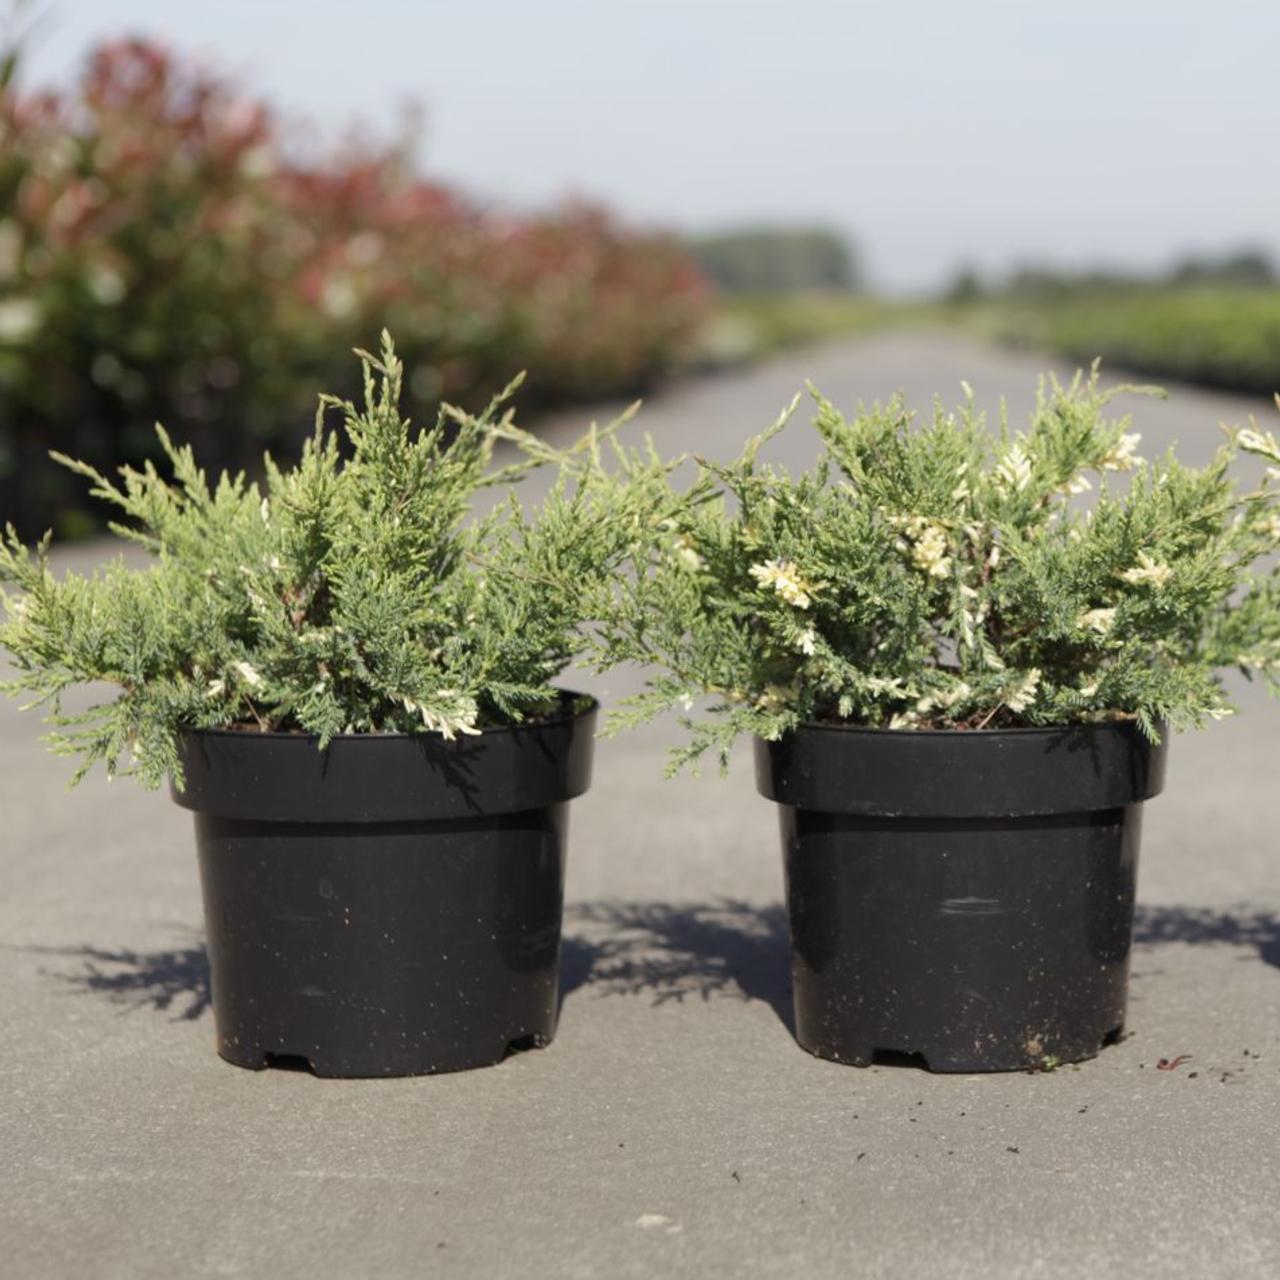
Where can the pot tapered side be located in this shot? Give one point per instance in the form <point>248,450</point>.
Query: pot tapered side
<point>991,931</point>
<point>391,906</point>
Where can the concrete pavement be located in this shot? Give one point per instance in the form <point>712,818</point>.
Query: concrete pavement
<point>674,1128</point>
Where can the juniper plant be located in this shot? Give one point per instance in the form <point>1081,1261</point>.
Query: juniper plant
<point>944,575</point>
<point>355,593</point>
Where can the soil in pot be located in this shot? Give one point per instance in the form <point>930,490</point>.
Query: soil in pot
<point>965,898</point>
<point>391,906</point>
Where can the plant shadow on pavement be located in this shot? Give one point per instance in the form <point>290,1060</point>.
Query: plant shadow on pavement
<point>175,980</point>
<point>1241,926</point>
<point>729,947</point>
<point>671,951</point>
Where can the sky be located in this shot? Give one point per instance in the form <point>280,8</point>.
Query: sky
<point>936,133</point>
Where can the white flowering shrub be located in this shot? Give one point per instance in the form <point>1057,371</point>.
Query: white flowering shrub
<point>356,593</point>
<point>942,574</point>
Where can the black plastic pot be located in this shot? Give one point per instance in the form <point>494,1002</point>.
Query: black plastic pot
<point>392,905</point>
<point>962,896</point>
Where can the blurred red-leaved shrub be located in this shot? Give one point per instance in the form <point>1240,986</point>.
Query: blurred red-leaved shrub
<point>163,258</point>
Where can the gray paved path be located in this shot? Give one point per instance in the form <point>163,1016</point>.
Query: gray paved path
<point>674,1128</point>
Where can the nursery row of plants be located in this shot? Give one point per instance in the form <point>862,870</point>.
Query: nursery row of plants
<point>165,256</point>
<point>1227,338</point>
<point>744,327</point>
<point>961,650</point>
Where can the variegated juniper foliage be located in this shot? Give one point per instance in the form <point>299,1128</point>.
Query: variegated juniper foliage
<point>344,596</point>
<point>945,575</point>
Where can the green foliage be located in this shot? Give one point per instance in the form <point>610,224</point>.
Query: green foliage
<point>353,593</point>
<point>1208,319</point>
<point>777,259</point>
<point>1218,337</point>
<point>939,574</point>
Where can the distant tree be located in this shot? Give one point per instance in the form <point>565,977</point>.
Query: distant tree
<point>1248,267</point>
<point>966,286</point>
<point>1035,282</point>
<point>777,259</point>
<point>1030,280</point>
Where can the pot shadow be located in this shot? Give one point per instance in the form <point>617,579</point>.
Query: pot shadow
<point>578,959</point>
<point>174,980</point>
<point>670,951</point>
<point>1240,926</point>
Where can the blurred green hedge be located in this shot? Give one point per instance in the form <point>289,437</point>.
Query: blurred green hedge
<point>163,259</point>
<point>1227,338</point>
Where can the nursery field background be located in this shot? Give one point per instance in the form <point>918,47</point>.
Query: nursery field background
<point>200,214</point>
<point>673,1128</point>
<point>191,233</point>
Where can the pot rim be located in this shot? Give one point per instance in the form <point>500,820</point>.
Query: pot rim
<point>586,704</point>
<point>387,777</point>
<point>971,773</point>
<point>1066,726</point>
